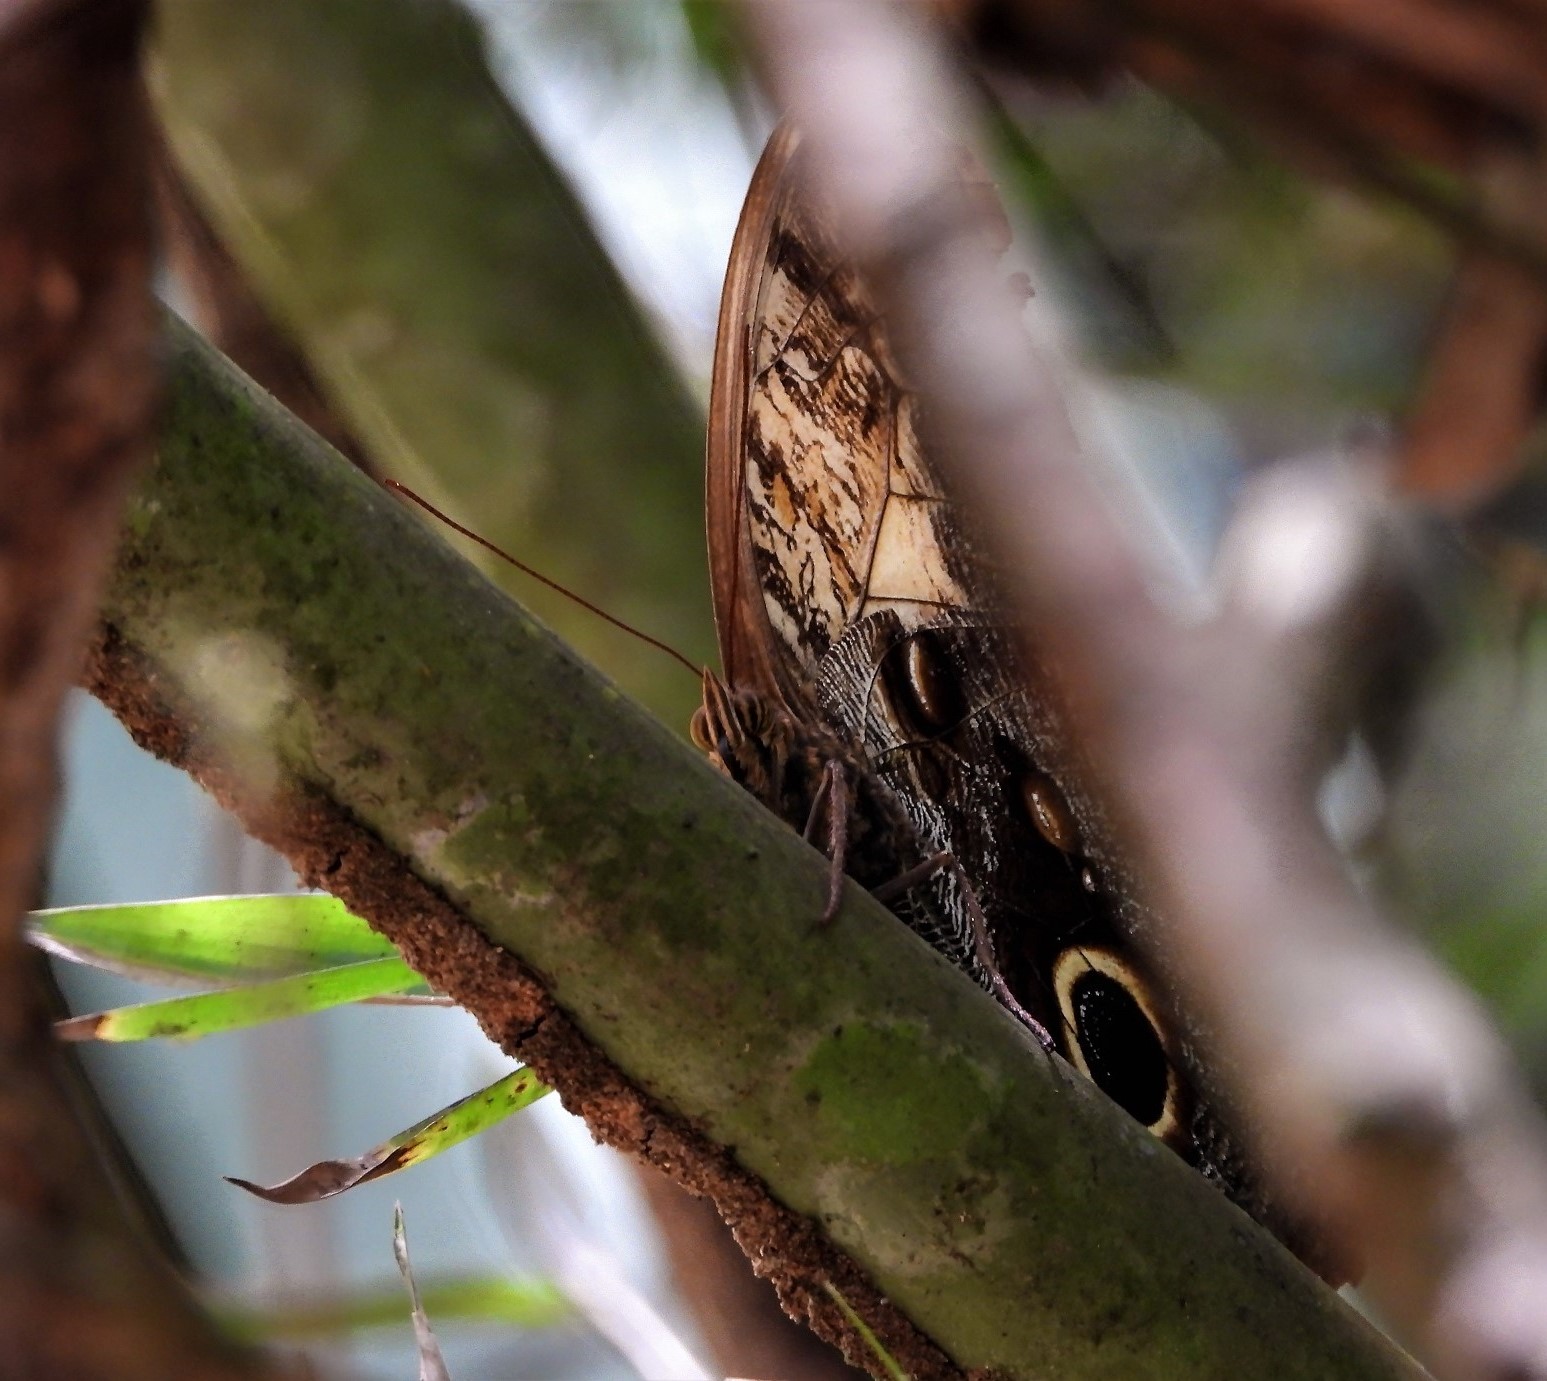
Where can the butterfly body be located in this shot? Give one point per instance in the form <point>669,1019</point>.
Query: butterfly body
<point>860,625</point>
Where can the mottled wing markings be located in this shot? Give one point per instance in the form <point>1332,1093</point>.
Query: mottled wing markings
<point>843,514</point>
<point>960,786</point>
<point>836,550</point>
<point>856,549</point>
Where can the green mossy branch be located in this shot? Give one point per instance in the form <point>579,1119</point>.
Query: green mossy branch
<point>336,647</point>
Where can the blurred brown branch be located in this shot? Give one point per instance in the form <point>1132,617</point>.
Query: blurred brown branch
<point>1384,1100</point>
<point>79,1296</point>
<point>739,1315</point>
<point>1403,94</point>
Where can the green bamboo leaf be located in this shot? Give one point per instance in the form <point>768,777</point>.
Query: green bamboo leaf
<point>438,1132</point>
<point>534,1303</point>
<point>210,938</point>
<point>204,1014</point>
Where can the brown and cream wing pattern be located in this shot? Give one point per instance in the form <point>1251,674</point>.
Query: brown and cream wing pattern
<point>857,621</point>
<point>821,504</point>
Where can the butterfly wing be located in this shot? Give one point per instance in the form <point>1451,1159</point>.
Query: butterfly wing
<point>848,592</point>
<point>834,547</point>
<point>843,579</point>
<point>821,504</point>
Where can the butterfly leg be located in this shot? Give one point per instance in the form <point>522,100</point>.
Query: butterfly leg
<point>888,892</point>
<point>982,941</point>
<point>833,794</point>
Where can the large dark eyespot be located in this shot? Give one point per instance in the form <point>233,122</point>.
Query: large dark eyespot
<point>925,695</point>
<point>1114,1037</point>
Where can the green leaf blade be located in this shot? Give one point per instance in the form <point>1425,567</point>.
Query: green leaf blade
<point>221,939</point>
<point>229,1009</point>
<point>889,1364</point>
<point>439,1132</point>
<point>519,1303</point>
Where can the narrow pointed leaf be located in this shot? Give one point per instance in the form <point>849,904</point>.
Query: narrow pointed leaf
<point>464,1118</point>
<point>534,1303</point>
<point>210,938</point>
<point>888,1363</point>
<point>204,1014</point>
<point>432,1366</point>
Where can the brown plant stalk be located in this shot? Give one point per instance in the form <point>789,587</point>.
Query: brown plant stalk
<point>79,1297</point>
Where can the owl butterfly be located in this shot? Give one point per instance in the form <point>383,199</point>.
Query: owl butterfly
<point>868,673</point>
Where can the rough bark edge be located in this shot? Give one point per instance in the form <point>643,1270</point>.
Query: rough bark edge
<point>739,1315</point>
<point>331,849</point>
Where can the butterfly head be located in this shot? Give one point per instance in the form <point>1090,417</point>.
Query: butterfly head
<point>743,736</point>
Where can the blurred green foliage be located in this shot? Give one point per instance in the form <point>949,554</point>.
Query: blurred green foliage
<point>1192,255</point>
<point>712,27</point>
<point>1462,851</point>
<point>397,212</point>
<point>480,1299</point>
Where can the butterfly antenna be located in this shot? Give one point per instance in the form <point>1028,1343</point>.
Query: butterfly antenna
<point>538,576</point>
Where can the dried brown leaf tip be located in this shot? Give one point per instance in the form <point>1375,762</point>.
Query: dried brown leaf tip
<point>436,1133</point>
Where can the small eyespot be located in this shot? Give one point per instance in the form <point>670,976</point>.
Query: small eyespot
<point>1114,1037</point>
<point>1050,812</point>
<point>700,732</point>
<point>1088,879</point>
<point>921,685</point>
<point>936,692</point>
